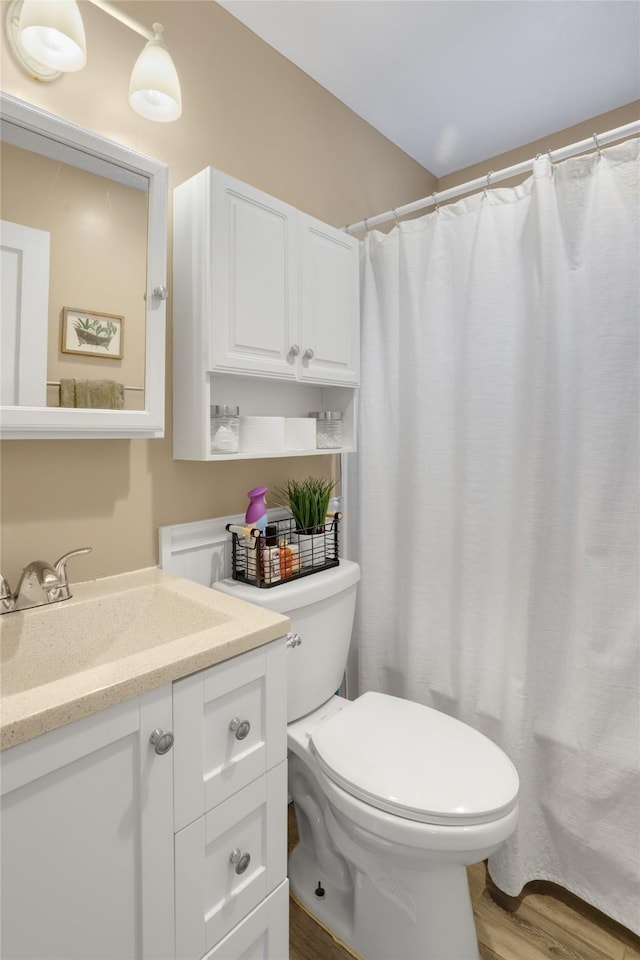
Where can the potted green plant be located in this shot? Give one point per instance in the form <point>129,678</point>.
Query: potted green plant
<point>308,501</point>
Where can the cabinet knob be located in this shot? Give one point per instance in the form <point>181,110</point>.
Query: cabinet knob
<point>241,860</point>
<point>308,354</point>
<point>240,728</point>
<point>294,350</point>
<point>293,640</point>
<point>161,292</point>
<point>161,740</point>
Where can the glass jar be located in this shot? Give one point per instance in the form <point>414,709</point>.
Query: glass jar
<point>328,429</point>
<point>225,428</point>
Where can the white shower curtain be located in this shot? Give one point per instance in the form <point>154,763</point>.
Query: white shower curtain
<point>495,501</point>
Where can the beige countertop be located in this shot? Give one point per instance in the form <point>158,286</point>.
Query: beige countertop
<point>114,639</point>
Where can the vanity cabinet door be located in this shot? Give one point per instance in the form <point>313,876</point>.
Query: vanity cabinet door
<point>253,279</point>
<point>230,728</point>
<point>228,861</point>
<point>329,303</point>
<point>87,839</point>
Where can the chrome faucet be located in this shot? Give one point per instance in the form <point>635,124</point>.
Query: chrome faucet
<point>40,583</point>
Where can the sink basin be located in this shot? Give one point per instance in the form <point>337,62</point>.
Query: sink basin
<point>54,641</point>
<point>116,638</point>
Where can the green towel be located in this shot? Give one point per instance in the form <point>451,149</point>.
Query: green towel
<point>92,394</point>
<point>67,393</point>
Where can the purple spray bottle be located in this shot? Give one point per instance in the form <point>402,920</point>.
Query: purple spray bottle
<point>256,515</point>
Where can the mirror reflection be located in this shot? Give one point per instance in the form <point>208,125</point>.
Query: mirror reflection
<point>74,275</point>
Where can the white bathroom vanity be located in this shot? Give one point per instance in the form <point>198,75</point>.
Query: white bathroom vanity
<point>144,796</point>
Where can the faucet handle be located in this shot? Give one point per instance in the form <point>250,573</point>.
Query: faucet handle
<point>60,567</point>
<point>7,600</point>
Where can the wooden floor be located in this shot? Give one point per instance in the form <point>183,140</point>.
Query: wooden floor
<point>546,923</point>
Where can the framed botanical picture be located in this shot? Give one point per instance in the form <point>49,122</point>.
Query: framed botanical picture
<point>92,334</point>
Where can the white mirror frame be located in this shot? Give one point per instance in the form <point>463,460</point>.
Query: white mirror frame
<point>91,152</point>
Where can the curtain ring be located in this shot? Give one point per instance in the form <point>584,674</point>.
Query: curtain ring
<point>366,226</point>
<point>489,175</point>
<point>395,216</point>
<point>436,205</point>
<point>595,140</point>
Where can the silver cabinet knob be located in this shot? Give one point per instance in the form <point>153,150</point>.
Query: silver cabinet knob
<point>294,350</point>
<point>240,728</point>
<point>161,740</point>
<point>240,859</point>
<point>293,640</point>
<point>308,354</point>
<point>160,292</point>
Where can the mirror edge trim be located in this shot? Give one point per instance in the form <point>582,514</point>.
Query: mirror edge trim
<point>38,423</point>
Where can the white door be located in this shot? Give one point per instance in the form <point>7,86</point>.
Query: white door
<point>87,839</point>
<point>329,303</point>
<point>24,323</point>
<point>254,280</point>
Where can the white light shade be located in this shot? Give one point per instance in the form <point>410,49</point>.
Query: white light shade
<point>52,32</point>
<point>154,88</point>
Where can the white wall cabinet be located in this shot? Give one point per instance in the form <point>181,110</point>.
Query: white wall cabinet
<point>99,861</point>
<point>265,292</point>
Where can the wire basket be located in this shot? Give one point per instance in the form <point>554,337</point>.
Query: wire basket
<point>288,556</point>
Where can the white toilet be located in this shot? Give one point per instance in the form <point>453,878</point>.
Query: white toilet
<point>393,799</point>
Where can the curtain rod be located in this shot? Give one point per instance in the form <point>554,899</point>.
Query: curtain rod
<point>595,141</point>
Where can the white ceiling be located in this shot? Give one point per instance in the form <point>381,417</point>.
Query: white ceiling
<point>454,82</point>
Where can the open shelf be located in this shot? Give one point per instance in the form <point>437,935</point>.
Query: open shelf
<point>261,396</point>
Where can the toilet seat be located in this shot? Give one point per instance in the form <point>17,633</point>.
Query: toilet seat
<point>415,763</point>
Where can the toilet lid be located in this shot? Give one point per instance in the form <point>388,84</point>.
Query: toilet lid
<point>415,762</point>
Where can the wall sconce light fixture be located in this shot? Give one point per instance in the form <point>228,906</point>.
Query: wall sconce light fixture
<point>47,39</point>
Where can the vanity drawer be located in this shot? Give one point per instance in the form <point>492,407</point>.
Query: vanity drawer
<point>263,935</point>
<point>230,728</point>
<point>214,893</point>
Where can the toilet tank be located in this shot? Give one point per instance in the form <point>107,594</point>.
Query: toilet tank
<point>321,607</point>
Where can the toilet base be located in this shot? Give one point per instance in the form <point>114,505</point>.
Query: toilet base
<point>334,910</point>
<point>380,911</point>
<point>366,927</point>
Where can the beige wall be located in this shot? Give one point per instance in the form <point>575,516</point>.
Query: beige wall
<point>247,111</point>
<point>98,235</point>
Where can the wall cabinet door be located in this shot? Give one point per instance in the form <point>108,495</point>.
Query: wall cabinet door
<point>329,317</point>
<point>254,280</point>
<point>87,839</point>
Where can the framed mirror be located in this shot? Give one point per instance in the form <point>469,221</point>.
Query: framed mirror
<point>83,242</point>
